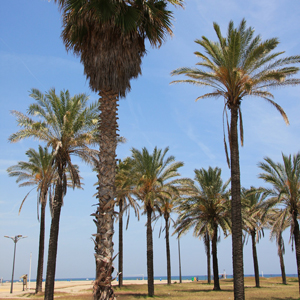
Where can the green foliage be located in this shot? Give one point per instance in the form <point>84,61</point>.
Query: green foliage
<point>37,172</point>
<point>109,36</point>
<point>206,205</point>
<point>154,174</point>
<point>239,65</point>
<point>285,192</point>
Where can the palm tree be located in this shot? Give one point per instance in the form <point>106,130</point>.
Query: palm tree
<point>239,65</point>
<point>125,201</point>
<point>279,221</point>
<point>285,179</point>
<point>254,218</point>
<point>37,172</point>
<point>109,36</point>
<point>166,206</point>
<point>206,209</point>
<point>153,174</point>
<point>67,125</point>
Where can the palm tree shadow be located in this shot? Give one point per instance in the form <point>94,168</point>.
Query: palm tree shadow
<point>134,295</point>
<point>202,290</point>
<point>288,298</point>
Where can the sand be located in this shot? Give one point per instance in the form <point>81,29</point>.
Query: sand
<point>62,286</point>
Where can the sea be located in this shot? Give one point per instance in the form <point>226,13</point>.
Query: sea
<point>175,278</point>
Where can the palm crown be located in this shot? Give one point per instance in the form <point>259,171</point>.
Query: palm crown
<point>65,123</point>
<point>241,65</point>
<point>153,174</point>
<point>110,37</point>
<point>37,172</point>
<point>206,205</point>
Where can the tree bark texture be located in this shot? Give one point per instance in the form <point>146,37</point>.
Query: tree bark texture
<point>255,261</point>
<point>207,248</point>
<point>280,254</point>
<point>40,267</point>
<point>236,215</point>
<point>297,241</point>
<point>120,244</point>
<point>168,250</point>
<point>215,259</point>
<point>53,240</point>
<point>104,216</point>
<point>150,269</point>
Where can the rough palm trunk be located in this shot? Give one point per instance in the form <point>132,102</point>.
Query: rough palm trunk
<point>297,241</point>
<point>255,261</point>
<point>106,191</point>
<point>150,270</point>
<point>39,274</point>
<point>54,229</point>
<point>120,244</point>
<point>168,250</point>
<point>215,259</point>
<point>236,215</point>
<point>207,248</point>
<point>280,254</point>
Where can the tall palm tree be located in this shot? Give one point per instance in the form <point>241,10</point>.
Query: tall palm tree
<point>279,220</point>
<point>109,36</point>
<point>37,172</point>
<point>125,201</point>
<point>254,218</point>
<point>165,207</point>
<point>154,179</point>
<point>206,209</point>
<point>285,179</point>
<point>67,125</point>
<point>237,66</point>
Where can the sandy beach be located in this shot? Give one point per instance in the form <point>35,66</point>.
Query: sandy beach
<point>63,286</point>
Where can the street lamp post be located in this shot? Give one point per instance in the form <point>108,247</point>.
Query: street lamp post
<point>15,240</point>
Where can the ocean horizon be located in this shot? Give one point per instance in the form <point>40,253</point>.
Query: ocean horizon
<point>142,277</point>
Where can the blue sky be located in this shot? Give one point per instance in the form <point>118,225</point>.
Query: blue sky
<point>154,113</point>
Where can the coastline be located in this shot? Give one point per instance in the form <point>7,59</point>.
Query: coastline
<point>78,286</point>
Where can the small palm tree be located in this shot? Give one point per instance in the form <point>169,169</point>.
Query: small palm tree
<point>254,218</point>
<point>68,126</point>
<point>237,66</point>
<point>279,220</point>
<point>109,36</point>
<point>206,209</point>
<point>37,172</point>
<point>285,179</point>
<point>125,201</point>
<point>165,208</point>
<point>153,182</point>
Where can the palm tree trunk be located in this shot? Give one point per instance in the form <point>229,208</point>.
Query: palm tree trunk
<point>207,248</point>
<point>120,244</point>
<point>215,259</point>
<point>179,259</point>
<point>168,251</point>
<point>255,261</point>
<point>106,191</point>
<point>236,215</point>
<point>280,254</point>
<point>54,229</point>
<point>39,274</point>
<point>297,241</point>
<point>150,269</point>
